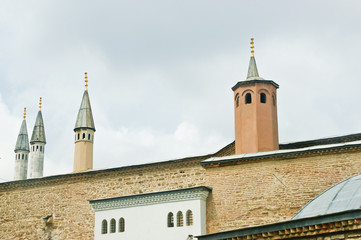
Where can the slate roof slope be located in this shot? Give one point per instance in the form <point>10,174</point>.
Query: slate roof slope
<point>22,143</point>
<point>85,116</point>
<point>38,131</point>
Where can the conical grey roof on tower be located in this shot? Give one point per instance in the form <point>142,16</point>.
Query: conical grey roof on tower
<point>22,142</point>
<point>252,68</point>
<point>85,116</point>
<point>38,130</point>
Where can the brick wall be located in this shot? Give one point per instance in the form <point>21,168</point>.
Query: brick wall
<point>24,204</point>
<point>254,192</point>
<point>267,191</point>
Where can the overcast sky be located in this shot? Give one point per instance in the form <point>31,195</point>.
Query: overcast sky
<point>160,73</point>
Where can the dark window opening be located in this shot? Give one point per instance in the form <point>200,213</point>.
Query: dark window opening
<point>41,148</point>
<point>248,98</point>
<point>22,157</point>
<point>263,98</point>
<point>179,219</point>
<point>170,220</point>
<point>88,136</point>
<point>112,226</point>
<point>78,136</point>
<point>83,135</point>
<point>121,225</point>
<point>104,227</point>
<point>189,216</point>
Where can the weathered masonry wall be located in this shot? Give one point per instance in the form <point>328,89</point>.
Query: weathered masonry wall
<point>23,204</point>
<point>271,190</point>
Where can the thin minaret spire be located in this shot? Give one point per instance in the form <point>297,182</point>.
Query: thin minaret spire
<point>84,134</point>
<point>22,152</point>
<point>37,143</point>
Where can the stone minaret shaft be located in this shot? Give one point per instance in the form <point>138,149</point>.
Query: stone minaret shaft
<point>84,134</point>
<point>22,152</point>
<point>37,148</point>
<point>255,111</point>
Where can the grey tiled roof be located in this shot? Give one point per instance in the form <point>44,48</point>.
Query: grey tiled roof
<point>38,130</point>
<point>85,116</point>
<point>343,196</point>
<point>22,142</point>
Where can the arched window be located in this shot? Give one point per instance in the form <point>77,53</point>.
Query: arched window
<point>263,97</point>
<point>37,147</point>
<point>104,226</point>
<point>189,218</point>
<point>237,100</point>
<point>248,98</point>
<point>22,156</point>
<point>179,219</point>
<point>41,148</point>
<point>83,135</point>
<point>112,225</point>
<point>78,136</point>
<point>88,136</point>
<point>121,225</point>
<point>170,220</point>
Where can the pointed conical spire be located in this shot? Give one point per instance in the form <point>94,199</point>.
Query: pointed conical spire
<point>252,68</point>
<point>38,130</point>
<point>22,142</point>
<point>85,115</point>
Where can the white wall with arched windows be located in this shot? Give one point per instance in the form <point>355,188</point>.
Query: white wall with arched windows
<point>147,216</point>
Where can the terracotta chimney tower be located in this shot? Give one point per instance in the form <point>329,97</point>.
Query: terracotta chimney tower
<point>255,112</point>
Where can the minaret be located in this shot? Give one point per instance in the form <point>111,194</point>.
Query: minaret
<point>255,111</point>
<point>84,134</point>
<point>37,147</point>
<point>22,152</point>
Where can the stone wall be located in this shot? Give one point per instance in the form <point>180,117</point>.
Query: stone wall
<point>270,190</point>
<point>243,194</point>
<point>23,204</point>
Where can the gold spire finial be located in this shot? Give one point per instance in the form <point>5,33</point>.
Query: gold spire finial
<point>252,47</point>
<point>40,104</point>
<point>24,113</point>
<point>86,81</point>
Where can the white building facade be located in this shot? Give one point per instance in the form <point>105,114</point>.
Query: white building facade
<point>176,214</point>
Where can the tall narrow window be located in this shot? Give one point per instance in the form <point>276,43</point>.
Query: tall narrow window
<point>83,135</point>
<point>170,220</point>
<point>41,148</point>
<point>248,98</point>
<point>37,147</point>
<point>112,225</point>
<point>179,219</point>
<point>189,216</point>
<point>121,225</point>
<point>237,100</point>
<point>78,136</point>
<point>104,226</point>
<point>26,157</point>
<point>22,156</point>
<point>263,98</point>
<point>88,136</point>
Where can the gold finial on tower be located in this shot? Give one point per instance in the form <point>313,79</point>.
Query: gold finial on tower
<point>24,113</point>
<point>252,47</point>
<point>40,104</point>
<point>86,81</point>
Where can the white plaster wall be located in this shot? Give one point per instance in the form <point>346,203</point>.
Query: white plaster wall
<point>37,160</point>
<point>150,222</point>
